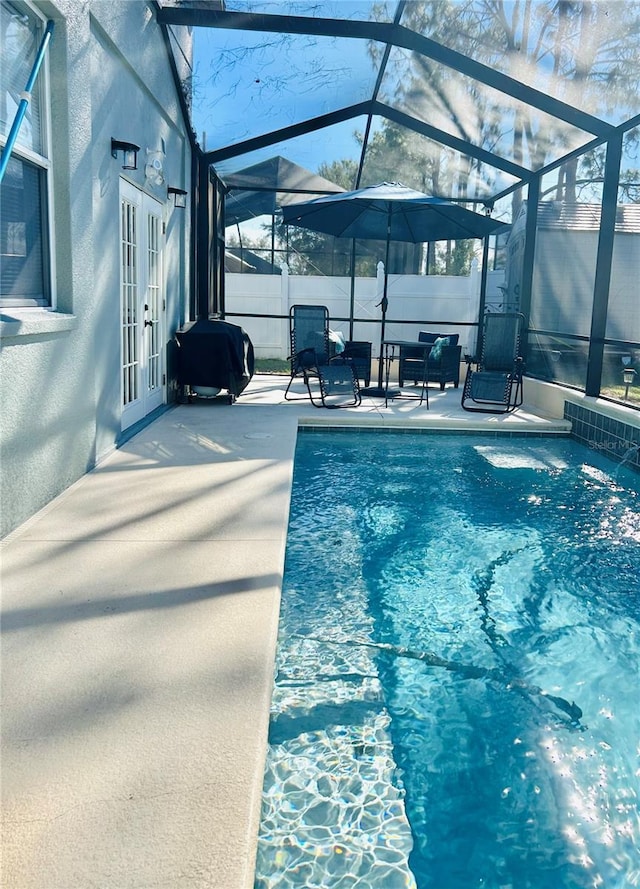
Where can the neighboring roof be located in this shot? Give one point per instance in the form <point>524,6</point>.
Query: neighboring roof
<point>560,215</point>
<point>248,262</point>
<point>263,188</point>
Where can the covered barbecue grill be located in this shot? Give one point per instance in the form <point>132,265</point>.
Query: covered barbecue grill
<point>214,355</point>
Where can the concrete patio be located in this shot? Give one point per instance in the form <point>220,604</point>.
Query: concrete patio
<point>140,615</point>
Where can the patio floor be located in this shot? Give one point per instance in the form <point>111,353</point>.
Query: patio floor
<point>140,615</point>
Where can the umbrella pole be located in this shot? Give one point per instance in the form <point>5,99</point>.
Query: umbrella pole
<point>380,391</point>
<point>384,303</point>
<point>352,298</point>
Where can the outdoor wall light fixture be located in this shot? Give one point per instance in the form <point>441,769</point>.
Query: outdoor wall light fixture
<point>129,153</point>
<point>179,196</point>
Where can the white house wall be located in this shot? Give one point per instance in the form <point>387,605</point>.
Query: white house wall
<point>60,370</point>
<point>563,282</point>
<point>623,315</point>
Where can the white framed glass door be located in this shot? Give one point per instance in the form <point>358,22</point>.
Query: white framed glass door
<point>141,304</point>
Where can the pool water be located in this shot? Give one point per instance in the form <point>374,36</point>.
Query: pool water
<point>457,699</point>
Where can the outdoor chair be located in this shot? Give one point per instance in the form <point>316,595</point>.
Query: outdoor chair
<point>359,353</point>
<point>309,339</point>
<point>338,384</point>
<point>495,387</point>
<point>443,363</point>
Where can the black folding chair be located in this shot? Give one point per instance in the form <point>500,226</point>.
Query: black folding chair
<point>496,386</point>
<point>309,336</point>
<point>338,384</point>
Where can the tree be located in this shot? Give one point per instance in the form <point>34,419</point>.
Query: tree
<point>583,52</point>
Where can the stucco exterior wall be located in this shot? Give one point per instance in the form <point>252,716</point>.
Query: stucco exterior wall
<point>60,371</point>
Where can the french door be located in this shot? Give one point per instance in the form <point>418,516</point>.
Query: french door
<point>142,304</point>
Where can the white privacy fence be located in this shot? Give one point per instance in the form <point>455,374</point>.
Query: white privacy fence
<point>435,302</point>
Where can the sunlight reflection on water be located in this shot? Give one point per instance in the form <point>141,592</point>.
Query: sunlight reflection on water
<point>434,639</point>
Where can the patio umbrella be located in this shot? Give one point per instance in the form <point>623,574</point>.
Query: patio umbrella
<point>389,212</point>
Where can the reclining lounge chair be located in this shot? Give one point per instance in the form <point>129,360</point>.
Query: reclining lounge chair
<point>309,338</point>
<point>312,358</point>
<point>338,384</point>
<point>495,387</point>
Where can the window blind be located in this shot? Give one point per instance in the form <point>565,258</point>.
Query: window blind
<point>21,242</point>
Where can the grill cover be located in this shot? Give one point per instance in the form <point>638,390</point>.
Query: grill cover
<point>215,354</point>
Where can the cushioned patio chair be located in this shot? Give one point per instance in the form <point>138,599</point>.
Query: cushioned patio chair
<point>309,338</point>
<point>496,386</point>
<point>443,363</point>
<point>359,353</point>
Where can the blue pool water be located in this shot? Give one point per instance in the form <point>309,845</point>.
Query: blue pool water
<point>457,697</point>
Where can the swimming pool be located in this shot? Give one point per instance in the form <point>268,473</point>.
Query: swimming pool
<point>456,700</point>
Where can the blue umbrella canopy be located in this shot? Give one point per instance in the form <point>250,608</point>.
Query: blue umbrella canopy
<point>390,212</point>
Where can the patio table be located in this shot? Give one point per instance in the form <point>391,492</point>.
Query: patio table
<point>390,355</point>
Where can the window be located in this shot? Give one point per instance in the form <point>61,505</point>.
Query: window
<point>24,191</point>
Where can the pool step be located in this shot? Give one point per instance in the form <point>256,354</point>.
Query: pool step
<point>333,810</point>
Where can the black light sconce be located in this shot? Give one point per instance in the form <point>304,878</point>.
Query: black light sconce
<point>129,153</point>
<point>179,196</point>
